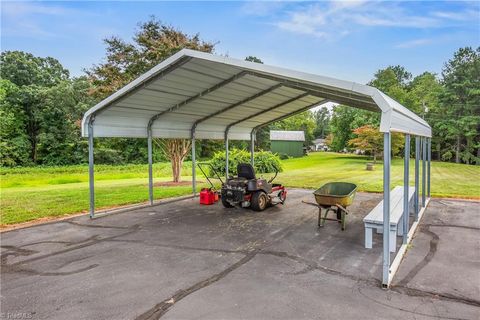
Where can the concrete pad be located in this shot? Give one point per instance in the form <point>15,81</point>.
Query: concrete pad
<point>183,260</point>
<point>444,258</point>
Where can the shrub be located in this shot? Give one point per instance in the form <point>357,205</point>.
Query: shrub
<point>265,161</point>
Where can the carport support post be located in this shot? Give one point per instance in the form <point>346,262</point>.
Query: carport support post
<point>150,165</point>
<point>90,167</point>
<point>252,147</point>
<point>226,155</point>
<point>386,208</point>
<point>417,184</point>
<point>406,205</point>
<point>429,165</point>
<point>194,164</point>
<point>424,171</point>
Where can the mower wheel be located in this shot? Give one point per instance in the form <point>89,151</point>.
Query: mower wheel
<point>225,203</point>
<point>259,201</point>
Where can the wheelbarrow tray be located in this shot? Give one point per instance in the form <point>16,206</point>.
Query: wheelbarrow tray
<point>335,193</point>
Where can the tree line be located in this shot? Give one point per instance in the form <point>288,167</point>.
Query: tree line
<point>41,105</point>
<point>450,103</point>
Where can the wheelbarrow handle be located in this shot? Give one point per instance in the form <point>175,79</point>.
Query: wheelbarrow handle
<point>319,206</point>
<point>342,208</point>
<point>312,204</point>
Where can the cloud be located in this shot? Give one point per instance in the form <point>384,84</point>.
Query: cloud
<point>339,18</point>
<point>21,19</point>
<point>22,9</point>
<point>466,15</point>
<point>414,43</point>
<point>262,8</point>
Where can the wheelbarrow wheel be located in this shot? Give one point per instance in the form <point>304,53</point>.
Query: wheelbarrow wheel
<point>259,201</point>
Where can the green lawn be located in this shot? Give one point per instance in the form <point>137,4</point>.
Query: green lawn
<point>33,193</point>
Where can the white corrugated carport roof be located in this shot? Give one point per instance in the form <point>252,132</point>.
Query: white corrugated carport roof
<point>213,94</point>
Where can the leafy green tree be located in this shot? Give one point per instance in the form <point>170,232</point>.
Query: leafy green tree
<point>300,122</point>
<point>59,141</point>
<point>423,99</point>
<point>33,76</point>
<point>322,121</point>
<point>392,81</point>
<point>253,59</point>
<point>344,120</point>
<point>14,142</point>
<point>152,43</point>
<point>24,69</point>
<point>460,105</point>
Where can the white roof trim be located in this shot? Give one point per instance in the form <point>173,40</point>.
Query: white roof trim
<point>279,135</point>
<point>190,73</point>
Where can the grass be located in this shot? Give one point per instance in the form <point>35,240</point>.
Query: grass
<point>447,179</point>
<point>32,193</point>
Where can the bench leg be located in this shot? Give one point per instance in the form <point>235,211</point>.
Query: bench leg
<point>400,227</point>
<point>368,238</point>
<point>393,240</point>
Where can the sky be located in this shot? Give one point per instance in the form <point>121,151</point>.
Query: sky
<point>349,40</point>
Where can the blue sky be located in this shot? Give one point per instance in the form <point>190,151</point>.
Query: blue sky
<point>348,40</point>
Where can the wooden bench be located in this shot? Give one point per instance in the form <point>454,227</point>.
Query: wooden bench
<point>374,220</point>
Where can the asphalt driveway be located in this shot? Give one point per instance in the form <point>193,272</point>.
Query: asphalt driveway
<point>185,261</point>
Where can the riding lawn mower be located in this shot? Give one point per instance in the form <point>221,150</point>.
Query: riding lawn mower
<point>246,190</point>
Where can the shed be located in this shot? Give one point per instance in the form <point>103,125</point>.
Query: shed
<point>287,142</point>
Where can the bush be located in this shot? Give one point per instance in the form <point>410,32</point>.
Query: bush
<point>265,161</point>
<point>283,156</point>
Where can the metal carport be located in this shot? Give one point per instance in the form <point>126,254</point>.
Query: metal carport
<point>198,95</point>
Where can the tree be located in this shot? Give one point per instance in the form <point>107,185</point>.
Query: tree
<point>403,76</point>
<point>24,69</point>
<point>322,121</point>
<point>59,141</point>
<point>152,43</point>
<point>176,150</point>
<point>300,122</point>
<point>253,59</point>
<point>460,105</point>
<point>392,81</point>
<point>14,142</point>
<point>344,119</point>
<point>370,139</point>
<point>30,82</point>
<point>423,99</point>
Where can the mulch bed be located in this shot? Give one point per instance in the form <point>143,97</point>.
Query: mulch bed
<point>174,184</point>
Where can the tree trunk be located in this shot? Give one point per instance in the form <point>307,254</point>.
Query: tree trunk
<point>175,150</point>
<point>177,163</point>
<point>439,152</point>
<point>457,150</point>
<point>33,134</point>
<point>374,157</point>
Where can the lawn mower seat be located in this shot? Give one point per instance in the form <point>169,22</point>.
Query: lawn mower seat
<point>245,170</point>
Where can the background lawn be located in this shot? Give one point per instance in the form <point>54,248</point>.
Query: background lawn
<point>32,193</point>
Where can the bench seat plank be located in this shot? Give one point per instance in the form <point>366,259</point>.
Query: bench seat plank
<point>374,220</point>
<point>396,197</point>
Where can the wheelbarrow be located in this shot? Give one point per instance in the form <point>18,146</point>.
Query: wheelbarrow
<point>335,197</point>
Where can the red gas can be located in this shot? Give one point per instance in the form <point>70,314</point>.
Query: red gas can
<point>208,196</point>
